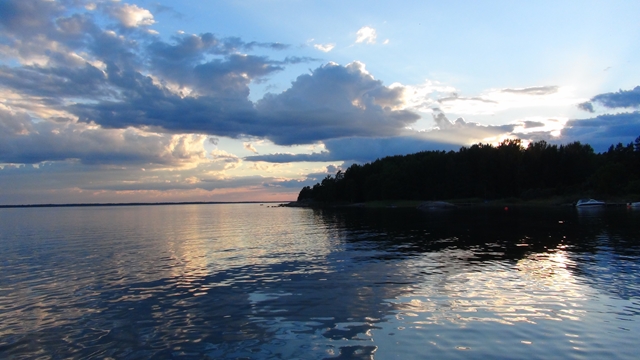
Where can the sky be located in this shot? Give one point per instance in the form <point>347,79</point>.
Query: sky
<point>229,100</point>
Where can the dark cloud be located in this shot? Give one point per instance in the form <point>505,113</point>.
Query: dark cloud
<point>534,90</point>
<point>227,45</point>
<point>333,101</point>
<point>29,17</point>
<point>183,63</point>
<point>55,83</point>
<point>295,60</point>
<point>532,124</point>
<point>141,103</point>
<point>195,83</point>
<point>604,130</point>
<point>33,28</point>
<point>271,46</point>
<point>586,106</point>
<point>231,77</point>
<point>620,99</point>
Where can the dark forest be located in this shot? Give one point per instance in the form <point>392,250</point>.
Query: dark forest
<point>487,172</point>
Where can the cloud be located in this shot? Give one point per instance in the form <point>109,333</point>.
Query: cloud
<point>207,184</point>
<point>129,16</point>
<point>55,83</point>
<point>604,130</point>
<point>226,160</point>
<point>360,149</point>
<point>250,147</point>
<point>607,129</point>
<point>431,95</point>
<point>28,28</point>
<point>28,17</point>
<point>620,99</point>
<point>533,124</point>
<point>534,90</point>
<point>281,158</point>
<point>324,47</point>
<point>366,35</point>
<point>70,182</point>
<point>25,141</point>
<point>448,136</point>
<point>586,106</point>
<point>121,77</point>
<point>333,101</point>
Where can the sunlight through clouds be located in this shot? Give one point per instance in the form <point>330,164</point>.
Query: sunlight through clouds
<point>496,100</point>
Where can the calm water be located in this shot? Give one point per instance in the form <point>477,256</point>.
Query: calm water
<point>254,282</point>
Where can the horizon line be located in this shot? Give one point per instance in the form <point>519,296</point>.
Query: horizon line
<point>141,204</point>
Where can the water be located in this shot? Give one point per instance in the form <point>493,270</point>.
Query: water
<point>254,282</point>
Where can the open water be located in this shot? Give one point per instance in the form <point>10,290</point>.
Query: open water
<point>244,281</point>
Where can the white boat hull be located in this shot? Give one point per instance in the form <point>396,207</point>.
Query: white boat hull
<point>584,203</point>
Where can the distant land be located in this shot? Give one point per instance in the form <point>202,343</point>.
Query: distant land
<point>141,204</point>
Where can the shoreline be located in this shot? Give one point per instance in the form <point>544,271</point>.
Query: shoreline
<point>452,204</point>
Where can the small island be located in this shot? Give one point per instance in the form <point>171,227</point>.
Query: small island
<point>507,173</point>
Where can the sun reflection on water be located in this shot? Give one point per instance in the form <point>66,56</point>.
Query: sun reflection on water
<point>538,287</point>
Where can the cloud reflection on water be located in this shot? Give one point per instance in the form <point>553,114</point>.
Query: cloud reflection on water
<point>247,281</point>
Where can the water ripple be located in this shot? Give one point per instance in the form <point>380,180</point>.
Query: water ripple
<point>243,281</point>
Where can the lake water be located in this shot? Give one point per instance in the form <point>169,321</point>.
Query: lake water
<point>255,282</point>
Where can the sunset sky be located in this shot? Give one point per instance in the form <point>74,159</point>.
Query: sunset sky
<point>236,100</point>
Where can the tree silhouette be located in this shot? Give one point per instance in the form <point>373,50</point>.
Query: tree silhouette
<point>487,172</point>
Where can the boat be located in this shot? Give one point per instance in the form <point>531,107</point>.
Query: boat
<point>589,203</point>
<point>435,205</point>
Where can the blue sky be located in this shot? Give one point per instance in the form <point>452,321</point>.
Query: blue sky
<point>116,101</point>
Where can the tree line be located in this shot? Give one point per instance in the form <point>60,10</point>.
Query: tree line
<point>484,171</point>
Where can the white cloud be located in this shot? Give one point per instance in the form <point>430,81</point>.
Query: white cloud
<point>132,15</point>
<point>324,47</point>
<point>249,146</point>
<point>226,160</point>
<point>366,35</point>
<point>422,97</point>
